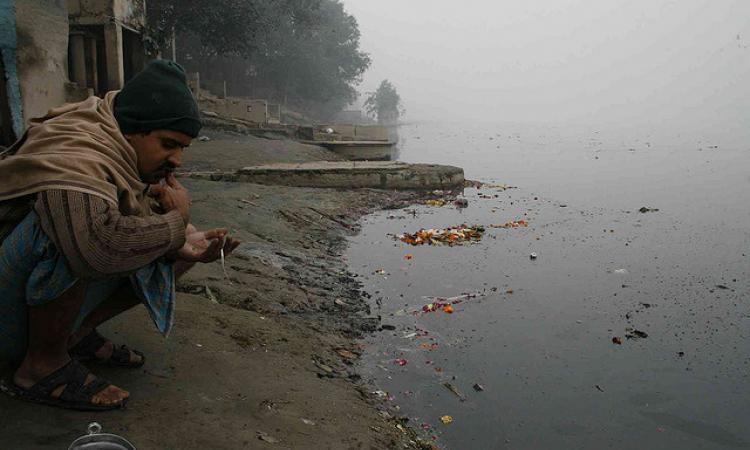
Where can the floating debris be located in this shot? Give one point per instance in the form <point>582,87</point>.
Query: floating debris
<point>428,345</point>
<point>511,224</point>
<point>435,202</point>
<point>446,419</point>
<point>533,256</point>
<point>617,340</point>
<point>499,186</point>
<point>455,391</point>
<point>632,333</point>
<point>445,303</point>
<point>645,209</point>
<point>458,234</point>
<point>408,256</point>
<point>478,387</point>
<point>400,362</point>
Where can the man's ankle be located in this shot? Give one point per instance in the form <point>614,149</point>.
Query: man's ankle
<point>35,367</point>
<point>79,334</point>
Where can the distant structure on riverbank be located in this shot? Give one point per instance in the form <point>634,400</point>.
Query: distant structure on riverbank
<point>59,51</point>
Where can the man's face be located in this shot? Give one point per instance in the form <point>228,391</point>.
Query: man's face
<point>159,152</point>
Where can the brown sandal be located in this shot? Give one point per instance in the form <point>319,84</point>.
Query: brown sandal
<point>86,348</point>
<point>76,395</point>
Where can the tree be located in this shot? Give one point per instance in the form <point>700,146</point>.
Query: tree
<point>302,52</point>
<point>315,62</point>
<point>384,103</point>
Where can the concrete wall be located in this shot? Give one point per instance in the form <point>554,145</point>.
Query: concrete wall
<point>128,13</point>
<point>249,110</point>
<point>42,55</point>
<point>371,133</point>
<point>132,13</point>
<point>274,113</point>
<point>255,111</point>
<point>79,9</point>
<point>345,132</point>
<point>373,175</point>
<point>11,108</point>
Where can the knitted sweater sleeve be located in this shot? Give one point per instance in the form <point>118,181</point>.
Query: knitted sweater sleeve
<point>98,241</point>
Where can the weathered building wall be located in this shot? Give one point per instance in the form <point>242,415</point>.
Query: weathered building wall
<point>128,13</point>
<point>111,30</point>
<point>42,54</point>
<point>11,110</point>
<point>132,13</point>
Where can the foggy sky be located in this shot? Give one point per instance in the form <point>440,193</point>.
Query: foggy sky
<point>561,60</point>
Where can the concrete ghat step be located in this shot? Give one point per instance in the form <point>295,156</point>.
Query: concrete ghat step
<point>345,174</point>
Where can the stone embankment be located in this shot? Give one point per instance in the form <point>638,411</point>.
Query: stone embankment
<point>387,175</point>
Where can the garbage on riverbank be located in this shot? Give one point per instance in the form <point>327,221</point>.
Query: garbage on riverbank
<point>455,235</point>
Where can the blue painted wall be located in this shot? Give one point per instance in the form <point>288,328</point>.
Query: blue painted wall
<point>8,45</point>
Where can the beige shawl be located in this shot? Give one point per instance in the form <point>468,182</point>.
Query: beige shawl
<point>77,147</point>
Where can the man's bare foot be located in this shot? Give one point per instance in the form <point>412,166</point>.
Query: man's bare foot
<point>31,373</point>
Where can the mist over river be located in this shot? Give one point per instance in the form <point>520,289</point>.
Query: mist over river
<point>540,339</point>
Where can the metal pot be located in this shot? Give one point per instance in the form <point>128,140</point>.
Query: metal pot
<point>96,440</point>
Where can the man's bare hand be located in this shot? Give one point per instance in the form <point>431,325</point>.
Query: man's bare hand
<point>172,196</point>
<point>206,246</point>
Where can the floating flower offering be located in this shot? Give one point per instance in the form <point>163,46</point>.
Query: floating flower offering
<point>459,234</point>
<point>511,224</point>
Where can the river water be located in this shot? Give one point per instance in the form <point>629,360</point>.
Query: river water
<point>539,340</point>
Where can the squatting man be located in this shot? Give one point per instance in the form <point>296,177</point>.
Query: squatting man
<point>93,223</point>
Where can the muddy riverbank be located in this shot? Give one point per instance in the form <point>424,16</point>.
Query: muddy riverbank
<point>264,358</point>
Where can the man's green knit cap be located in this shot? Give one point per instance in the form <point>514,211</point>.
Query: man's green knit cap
<point>158,98</point>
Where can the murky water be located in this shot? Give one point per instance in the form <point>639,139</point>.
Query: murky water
<point>540,339</point>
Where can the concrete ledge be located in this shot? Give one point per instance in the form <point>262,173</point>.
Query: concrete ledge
<point>359,150</point>
<point>345,174</point>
